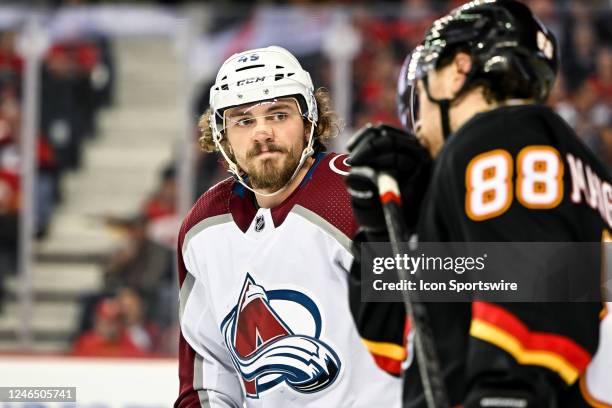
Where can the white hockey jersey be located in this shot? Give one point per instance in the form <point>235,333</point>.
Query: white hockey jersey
<point>264,313</point>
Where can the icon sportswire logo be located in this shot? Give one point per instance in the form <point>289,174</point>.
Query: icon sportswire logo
<point>266,347</point>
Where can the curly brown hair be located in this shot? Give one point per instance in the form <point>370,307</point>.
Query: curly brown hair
<point>328,125</point>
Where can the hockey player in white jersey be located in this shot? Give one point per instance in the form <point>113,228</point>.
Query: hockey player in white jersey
<point>264,255</point>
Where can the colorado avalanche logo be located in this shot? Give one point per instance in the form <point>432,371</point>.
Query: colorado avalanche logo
<point>267,351</point>
<point>340,166</point>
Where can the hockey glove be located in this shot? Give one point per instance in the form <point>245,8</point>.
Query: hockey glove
<point>375,149</point>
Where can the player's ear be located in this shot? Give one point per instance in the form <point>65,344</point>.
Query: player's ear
<point>462,64</point>
<point>307,126</point>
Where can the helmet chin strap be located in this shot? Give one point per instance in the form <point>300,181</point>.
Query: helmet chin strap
<point>444,105</point>
<point>233,167</point>
<point>444,116</point>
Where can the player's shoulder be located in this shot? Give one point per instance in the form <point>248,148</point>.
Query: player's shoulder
<point>507,130</point>
<point>333,166</point>
<point>510,128</point>
<point>214,202</point>
<point>325,193</point>
<point>327,174</point>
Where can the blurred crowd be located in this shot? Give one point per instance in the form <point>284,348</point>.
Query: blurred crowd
<point>135,312</point>
<point>76,82</point>
<point>582,94</point>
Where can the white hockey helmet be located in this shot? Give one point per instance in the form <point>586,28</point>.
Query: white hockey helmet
<point>257,75</point>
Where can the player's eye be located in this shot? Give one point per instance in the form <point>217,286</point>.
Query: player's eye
<point>244,122</point>
<point>279,116</point>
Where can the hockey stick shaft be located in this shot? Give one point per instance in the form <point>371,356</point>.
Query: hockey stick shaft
<point>427,359</point>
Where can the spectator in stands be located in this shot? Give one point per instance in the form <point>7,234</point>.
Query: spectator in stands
<point>10,185</point>
<point>160,209</point>
<point>163,200</point>
<point>108,337</point>
<point>10,120</point>
<point>9,205</point>
<point>560,100</point>
<point>601,80</point>
<point>141,332</point>
<point>578,53</point>
<point>11,64</point>
<point>60,111</point>
<point>140,262</point>
<point>591,114</point>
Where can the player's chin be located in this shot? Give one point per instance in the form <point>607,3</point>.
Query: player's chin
<point>432,144</point>
<point>269,179</point>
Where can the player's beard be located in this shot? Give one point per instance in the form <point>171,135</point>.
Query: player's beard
<point>273,173</point>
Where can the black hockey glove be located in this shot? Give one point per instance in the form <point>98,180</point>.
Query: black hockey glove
<point>375,149</point>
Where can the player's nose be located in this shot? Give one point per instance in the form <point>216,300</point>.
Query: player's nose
<point>262,131</point>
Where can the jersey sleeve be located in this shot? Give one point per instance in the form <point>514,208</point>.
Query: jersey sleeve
<point>206,375</point>
<point>382,326</point>
<point>477,196</point>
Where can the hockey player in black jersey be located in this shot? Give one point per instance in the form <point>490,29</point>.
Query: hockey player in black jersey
<point>505,168</point>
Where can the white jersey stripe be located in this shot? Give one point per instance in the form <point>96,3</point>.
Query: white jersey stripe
<point>184,293</point>
<point>202,225</point>
<point>198,382</point>
<point>322,223</point>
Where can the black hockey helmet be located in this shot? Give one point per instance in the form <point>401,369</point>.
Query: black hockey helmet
<point>502,37</point>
